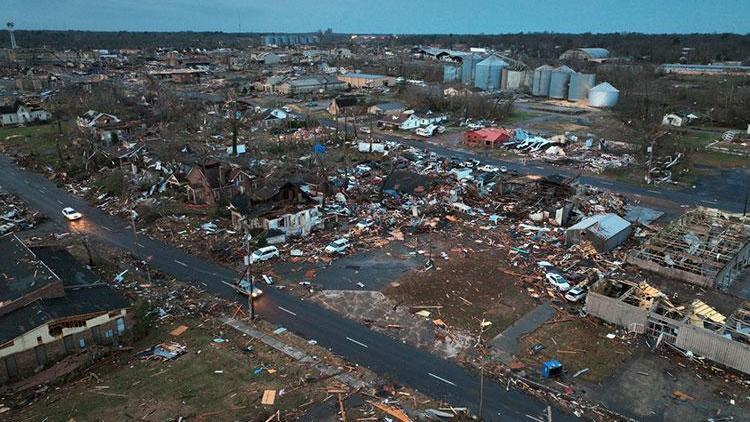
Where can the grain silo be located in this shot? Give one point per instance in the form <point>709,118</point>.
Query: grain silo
<point>580,83</point>
<point>517,79</point>
<point>451,73</point>
<point>468,68</point>
<point>487,75</point>
<point>603,95</point>
<point>559,81</point>
<point>540,81</point>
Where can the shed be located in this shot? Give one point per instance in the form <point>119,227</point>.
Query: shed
<point>604,231</point>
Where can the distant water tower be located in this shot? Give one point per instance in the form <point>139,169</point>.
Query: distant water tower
<point>12,36</point>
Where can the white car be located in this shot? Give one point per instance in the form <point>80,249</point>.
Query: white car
<point>338,246</point>
<point>560,283</point>
<point>488,169</point>
<point>365,224</point>
<point>264,254</point>
<point>365,130</point>
<point>575,294</point>
<point>71,214</point>
<point>503,169</point>
<point>245,286</point>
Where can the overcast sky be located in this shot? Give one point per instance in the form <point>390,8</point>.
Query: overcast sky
<point>384,16</point>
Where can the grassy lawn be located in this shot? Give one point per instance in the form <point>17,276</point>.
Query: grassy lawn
<point>577,344</point>
<point>697,140</point>
<point>212,381</point>
<point>37,141</point>
<point>519,116</point>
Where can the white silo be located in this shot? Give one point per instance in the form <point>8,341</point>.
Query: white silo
<point>603,95</point>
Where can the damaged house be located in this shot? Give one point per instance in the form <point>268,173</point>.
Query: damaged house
<point>211,182</point>
<point>51,307</point>
<point>107,127</point>
<point>694,328</point>
<point>604,231</point>
<point>284,208</point>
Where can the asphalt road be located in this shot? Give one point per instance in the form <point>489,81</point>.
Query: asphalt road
<point>384,355</point>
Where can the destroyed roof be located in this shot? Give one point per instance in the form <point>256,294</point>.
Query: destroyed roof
<point>347,101</point>
<point>390,106</point>
<point>408,182</point>
<point>603,225</point>
<point>87,301</point>
<point>22,272</point>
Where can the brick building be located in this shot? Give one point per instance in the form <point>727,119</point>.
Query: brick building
<point>51,306</point>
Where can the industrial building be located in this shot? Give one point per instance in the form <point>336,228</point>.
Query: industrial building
<point>704,69</point>
<point>366,80</point>
<point>694,327</point>
<point>310,84</point>
<point>586,54</point>
<point>289,39</point>
<point>704,247</point>
<point>51,306</point>
<point>604,231</point>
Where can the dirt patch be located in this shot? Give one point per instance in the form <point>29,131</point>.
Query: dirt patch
<point>577,343</point>
<point>467,288</point>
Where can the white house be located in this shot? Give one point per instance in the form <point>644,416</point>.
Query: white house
<point>415,121</point>
<point>19,114</point>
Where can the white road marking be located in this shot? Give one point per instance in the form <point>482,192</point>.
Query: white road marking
<point>181,263</point>
<point>144,247</point>
<point>653,191</point>
<point>441,379</point>
<point>27,182</point>
<point>708,201</point>
<point>59,202</point>
<point>539,167</point>
<point>606,183</point>
<point>42,191</point>
<point>290,312</point>
<point>357,342</point>
<point>106,228</point>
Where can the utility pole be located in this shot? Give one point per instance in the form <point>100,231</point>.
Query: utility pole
<point>251,305</point>
<point>135,233</point>
<point>481,370</point>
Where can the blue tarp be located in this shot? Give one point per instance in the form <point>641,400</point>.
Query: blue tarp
<point>551,368</point>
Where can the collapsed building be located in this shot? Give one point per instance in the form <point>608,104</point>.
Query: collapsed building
<point>694,329</point>
<point>704,247</point>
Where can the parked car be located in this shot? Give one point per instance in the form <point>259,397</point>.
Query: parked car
<point>503,169</point>
<point>365,224</point>
<point>365,130</point>
<point>560,283</point>
<point>488,169</point>
<point>7,228</point>
<point>71,214</point>
<point>244,285</point>
<point>575,294</point>
<point>264,254</point>
<point>338,246</point>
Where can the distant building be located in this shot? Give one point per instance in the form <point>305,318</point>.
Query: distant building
<point>678,119</point>
<point>289,39</point>
<point>51,306</point>
<point>268,58</point>
<point>387,108</point>
<point>586,54</point>
<point>366,80</point>
<point>310,84</point>
<point>346,105</point>
<point>704,69</point>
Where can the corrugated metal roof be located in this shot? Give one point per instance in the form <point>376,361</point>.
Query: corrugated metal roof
<point>603,225</point>
<point>596,52</point>
<point>605,87</point>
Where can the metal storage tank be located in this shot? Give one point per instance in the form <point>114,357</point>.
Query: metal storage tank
<point>559,81</point>
<point>517,79</point>
<point>451,73</point>
<point>603,95</point>
<point>580,83</point>
<point>487,75</point>
<point>469,67</point>
<point>540,81</point>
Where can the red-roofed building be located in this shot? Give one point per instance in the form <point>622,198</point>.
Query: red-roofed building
<point>487,137</point>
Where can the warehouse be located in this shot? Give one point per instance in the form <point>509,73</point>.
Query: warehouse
<point>586,54</point>
<point>366,80</point>
<point>704,247</point>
